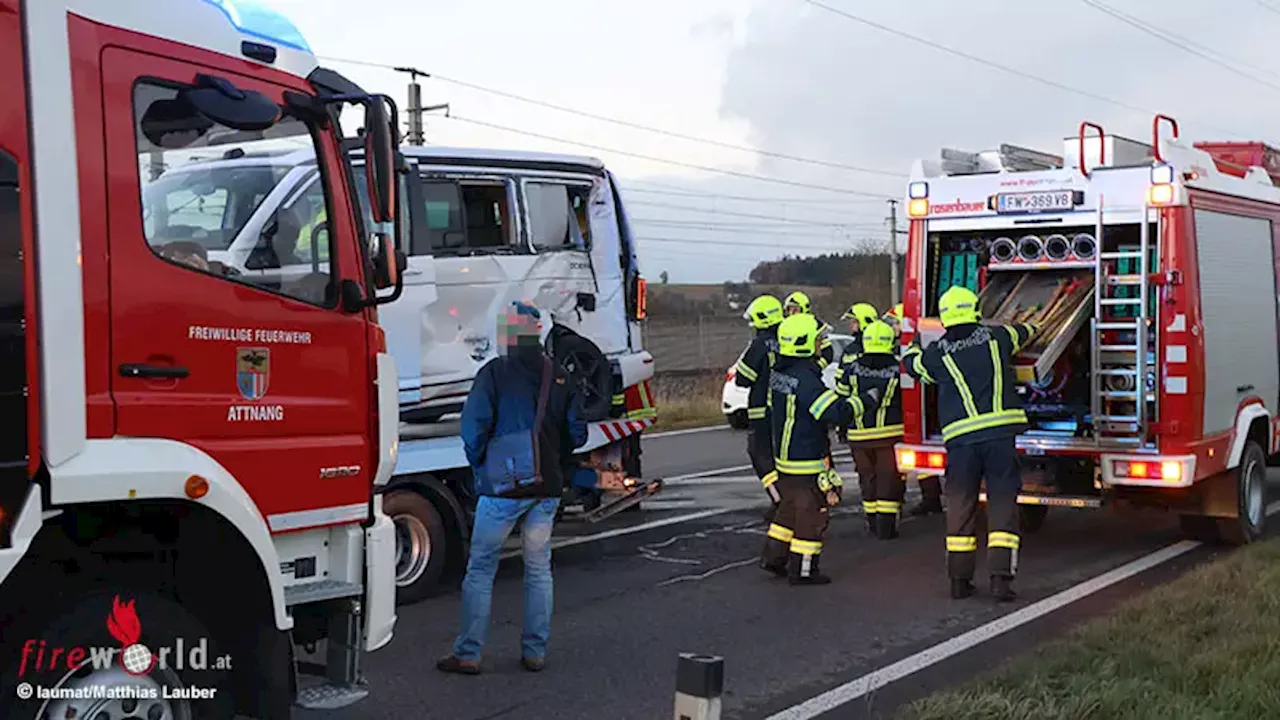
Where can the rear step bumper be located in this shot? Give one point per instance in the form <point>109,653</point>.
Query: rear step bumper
<point>1087,502</point>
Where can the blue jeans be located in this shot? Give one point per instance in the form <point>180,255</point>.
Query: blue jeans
<point>495,519</point>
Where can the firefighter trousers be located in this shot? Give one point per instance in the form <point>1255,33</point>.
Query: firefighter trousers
<point>881,485</point>
<point>996,461</point>
<point>760,451</point>
<point>796,533</point>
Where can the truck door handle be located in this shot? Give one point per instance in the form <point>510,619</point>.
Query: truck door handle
<point>142,370</point>
<point>411,271</point>
<point>1244,388</point>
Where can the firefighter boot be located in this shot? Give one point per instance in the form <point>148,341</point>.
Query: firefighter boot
<point>961,589</point>
<point>926,507</point>
<point>1002,588</point>
<point>886,525</point>
<point>801,572</point>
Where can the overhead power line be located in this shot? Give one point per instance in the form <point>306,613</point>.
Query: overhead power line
<point>993,64</point>
<point>1265,5</point>
<point>681,192</point>
<point>677,163</point>
<point>734,213</point>
<point>639,126</point>
<point>1184,44</point>
<point>782,249</point>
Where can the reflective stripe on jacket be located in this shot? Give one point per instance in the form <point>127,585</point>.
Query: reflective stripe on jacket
<point>803,408</point>
<point>872,382</point>
<point>972,366</point>
<point>752,371</point>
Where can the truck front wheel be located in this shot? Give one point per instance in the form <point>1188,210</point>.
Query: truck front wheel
<point>165,647</point>
<point>421,545</point>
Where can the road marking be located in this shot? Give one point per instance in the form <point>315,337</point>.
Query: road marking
<point>855,689</point>
<point>679,479</point>
<point>619,532</point>
<point>686,431</point>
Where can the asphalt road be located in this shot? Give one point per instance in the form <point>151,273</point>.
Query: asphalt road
<point>679,576</point>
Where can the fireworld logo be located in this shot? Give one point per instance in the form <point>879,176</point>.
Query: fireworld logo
<point>132,656</point>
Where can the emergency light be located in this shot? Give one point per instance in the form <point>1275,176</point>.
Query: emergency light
<point>918,192</point>
<point>1162,191</point>
<point>257,19</point>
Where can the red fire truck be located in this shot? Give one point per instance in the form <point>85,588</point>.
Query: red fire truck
<point>1151,269</point>
<point>188,522</point>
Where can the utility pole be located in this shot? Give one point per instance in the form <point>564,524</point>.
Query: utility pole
<point>893,252</point>
<point>415,109</point>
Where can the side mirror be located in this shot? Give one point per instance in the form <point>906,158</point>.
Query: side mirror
<point>380,162</point>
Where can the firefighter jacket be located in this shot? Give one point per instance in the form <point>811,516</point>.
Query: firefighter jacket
<point>803,408</point>
<point>851,352</point>
<point>972,366</point>
<point>827,350</point>
<point>871,382</point>
<point>752,371</point>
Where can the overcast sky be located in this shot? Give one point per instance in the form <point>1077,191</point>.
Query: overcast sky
<point>786,77</point>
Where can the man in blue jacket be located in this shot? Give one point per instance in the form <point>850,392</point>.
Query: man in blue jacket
<point>520,426</point>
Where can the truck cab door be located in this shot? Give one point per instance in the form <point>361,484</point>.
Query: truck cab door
<point>264,372</point>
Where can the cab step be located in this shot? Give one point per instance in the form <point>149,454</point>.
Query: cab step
<point>329,696</point>
<point>320,591</point>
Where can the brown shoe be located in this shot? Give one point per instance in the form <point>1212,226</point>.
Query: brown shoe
<point>534,664</point>
<point>453,664</point>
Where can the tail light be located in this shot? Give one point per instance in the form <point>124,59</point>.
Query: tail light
<point>920,459</point>
<point>1168,470</point>
<point>642,298</point>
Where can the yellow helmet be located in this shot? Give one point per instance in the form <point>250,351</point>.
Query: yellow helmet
<point>958,306</point>
<point>864,313</point>
<point>877,338</point>
<point>798,336</point>
<point>894,312</point>
<point>797,301</point>
<point>764,312</point>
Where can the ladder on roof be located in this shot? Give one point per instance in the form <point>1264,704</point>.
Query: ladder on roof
<point>1122,394</point>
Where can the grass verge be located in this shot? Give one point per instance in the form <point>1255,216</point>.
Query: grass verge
<point>1204,646</point>
<point>687,402</point>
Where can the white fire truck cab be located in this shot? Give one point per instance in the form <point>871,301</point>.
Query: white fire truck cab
<point>1151,269</point>
<point>191,452</point>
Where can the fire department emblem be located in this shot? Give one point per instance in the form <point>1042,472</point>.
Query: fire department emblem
<point>253,371</point>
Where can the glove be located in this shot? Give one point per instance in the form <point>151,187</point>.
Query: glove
<point>829,480</point>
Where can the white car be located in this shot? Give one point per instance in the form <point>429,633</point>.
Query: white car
<point>734,398</point>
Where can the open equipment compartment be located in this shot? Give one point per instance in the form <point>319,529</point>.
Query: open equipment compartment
<point>1045,279</point>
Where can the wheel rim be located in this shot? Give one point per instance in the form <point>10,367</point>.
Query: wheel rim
<point>413,548</point>
<point>129,697</point>
<point>1253,492</point>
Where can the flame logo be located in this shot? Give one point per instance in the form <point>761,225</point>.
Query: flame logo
<point>126,628</point>
<point>123,623</point>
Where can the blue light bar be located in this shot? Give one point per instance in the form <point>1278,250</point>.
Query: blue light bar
<point>255,18</point>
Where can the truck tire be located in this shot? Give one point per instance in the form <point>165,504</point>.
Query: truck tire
<point>421,545</point>
<point>1251,498</point>
<point>84,624</point>
<point>588,370</point>
<point>737,419</point>
<point>1031,518</point>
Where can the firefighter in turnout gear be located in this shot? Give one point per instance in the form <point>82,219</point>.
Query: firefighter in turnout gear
<point>803,410</point>
<point>872,381</point>
<point>752,372</point>
<point>981,417</point>
<point>930,485</point>
<point>798,302</point>
<point>859,315</point>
